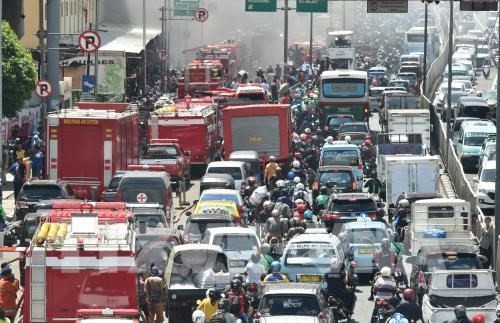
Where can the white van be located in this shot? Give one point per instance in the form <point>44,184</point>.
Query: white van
<point>236,169</point>
<point>471,137</point>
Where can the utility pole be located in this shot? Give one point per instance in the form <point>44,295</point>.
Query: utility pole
<point>169,13</point>
<point>311,42</point>
<point>163,45</point>
<point>53,28</point>
<point>497,182</point>
<point>424,76</point>
<point>144,44</point>
<point>1,94</point>
<point>96,57</point>
<point>41,71</point>
<point>285,36</point>
<point>450,76</point>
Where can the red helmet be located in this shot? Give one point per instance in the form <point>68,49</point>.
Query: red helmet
<point>408,294</point>
<point>478,318</point>
<point>301,208</point>
<point>252,180</point>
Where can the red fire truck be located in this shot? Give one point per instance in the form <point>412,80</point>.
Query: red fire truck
<point>88,144</point>
<point>200,76</point>
<point>226,53</point>
<point>79,259</point>
<point>194,125</point>
<point>264,128</point>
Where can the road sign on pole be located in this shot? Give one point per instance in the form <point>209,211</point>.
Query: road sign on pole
<point>89,41</point>
<point>43,89</point>
<point>478,5</point>
<point>387,6</point>
<point>185,8</point>
<point>261,5</point>
<point>163,54</point>
<point>201,14</point>
<point>312,6</point>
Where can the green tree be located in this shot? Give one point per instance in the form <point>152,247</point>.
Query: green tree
<point>19,72</point>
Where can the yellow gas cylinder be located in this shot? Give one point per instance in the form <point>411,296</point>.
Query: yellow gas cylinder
<point>61,233</point>
<point>42,234</point>
<point>51,236</point>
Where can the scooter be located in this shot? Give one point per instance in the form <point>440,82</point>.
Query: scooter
<point>369,168</point>
<point>384,308</point>
<point>252,295</point>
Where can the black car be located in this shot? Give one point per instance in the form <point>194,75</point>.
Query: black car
<point>333,123</point>
<point>36,190</point>
<point>446,257</point>
<point>196,225</point>
<point>109,194</point>
<point>209,181</point>
<point>340,179</point>
<point>347,207</point>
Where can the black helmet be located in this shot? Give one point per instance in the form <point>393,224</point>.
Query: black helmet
<point>239,277</point>
<point>224,304</point>
<point>235,285</point>
<point>215,294</point>
<point>460,311</point>
<point>323,190</point>
<point>380,213</point>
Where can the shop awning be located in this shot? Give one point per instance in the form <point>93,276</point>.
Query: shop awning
<point>124,38</point>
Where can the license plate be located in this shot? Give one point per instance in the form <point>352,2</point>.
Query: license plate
<point>364,250</point>
<point>308,278</point>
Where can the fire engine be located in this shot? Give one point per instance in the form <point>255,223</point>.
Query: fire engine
<point>264,128</point>
<point>169,154</point>
<point>81,258</point>
<point>200,76</point>
<point>88,144</point>
<point>194,125</point>
<point>226,53</point>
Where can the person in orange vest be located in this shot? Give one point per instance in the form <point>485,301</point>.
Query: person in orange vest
<point>9,286</point>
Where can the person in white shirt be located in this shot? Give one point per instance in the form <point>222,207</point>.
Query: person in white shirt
<point>254,269</point>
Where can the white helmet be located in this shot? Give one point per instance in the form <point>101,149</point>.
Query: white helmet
<point>266,204</point>
<point>329,139</point>
<point>307,130</point>
<point>335,263</point>
<point>280,183</point>
<point>348,139</point>
<point>296,164</point>
<point>299,186</point>
<point>342,236</point>
<point>296,180</point>
<point>404,203</point>
<point>398,318</point>
<point>272,158</point>
<point>385,272</point>
<point>198,316</point>
<point>299,201</point>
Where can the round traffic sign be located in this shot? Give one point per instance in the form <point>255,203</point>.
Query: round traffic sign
<point>142,198</point>
<point>89,41</point>
<point>43,89</point>
<point>163,54</point>
<point>201,14</point>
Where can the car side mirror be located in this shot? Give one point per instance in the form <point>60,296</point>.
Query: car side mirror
<point>180,227</point>
<point>411,260</point>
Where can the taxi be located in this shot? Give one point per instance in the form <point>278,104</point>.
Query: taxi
<point>217,207</point>
<point>306,257</point>
<point>365,237</point>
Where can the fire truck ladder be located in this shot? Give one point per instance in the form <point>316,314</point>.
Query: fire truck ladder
<point>38,285</point>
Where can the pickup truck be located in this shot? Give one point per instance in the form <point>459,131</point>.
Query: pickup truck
<point>474,289</point>
<point>188,275</point>
<point>440,222</point>
<point>169,153</point>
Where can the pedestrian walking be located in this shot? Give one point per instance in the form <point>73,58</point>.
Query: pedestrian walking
<point>486,241</point>
<point>153,286</point>
<point>18,170</point>
<point>36,162</point>
<point>9,286</point>
<point>141,292</point>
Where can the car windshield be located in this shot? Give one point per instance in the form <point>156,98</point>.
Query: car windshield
<point>235,172</point>
<point>162,152</point>
<point>338,177</point>
<point>488,175</point>
<point>199,227</point>
<point>483,50</point>
<point>353,205</point>
<point>409,77</point>
<point>399,83</point>
<point>221,197</point>
<point>310,254</point>
<point>342,157</point>
<point>480,112</point>
<point>41,192</point>
<point>289,305</point>
<point>353,128</point>
<point>336,122</point>
<point>475,140</point>
<point>235,242</point>
<point>490,95</point>
<point>113,184</point>
<point>366,235</point>
<point>151,220</point>
<point>375,93</point>
<point>459,261</point>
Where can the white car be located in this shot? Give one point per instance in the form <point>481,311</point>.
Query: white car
<point>238,244</point>
<point>467,85</point>
<point>485,188</point>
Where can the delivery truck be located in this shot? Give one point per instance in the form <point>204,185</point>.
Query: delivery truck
<point>411,121</point>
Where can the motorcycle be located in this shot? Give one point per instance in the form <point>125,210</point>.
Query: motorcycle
<point>486,72</point>
<point>370,168</point>
<point>252,295</point>
<point>385,308</point>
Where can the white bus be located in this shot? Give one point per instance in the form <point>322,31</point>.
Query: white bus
<point>414,42</point>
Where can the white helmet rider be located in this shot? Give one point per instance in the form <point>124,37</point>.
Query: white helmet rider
<point>296,180</point>
<point>385,272</point>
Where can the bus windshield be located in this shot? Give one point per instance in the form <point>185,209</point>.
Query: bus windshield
<point>344,88</point>
<point>415,38</point>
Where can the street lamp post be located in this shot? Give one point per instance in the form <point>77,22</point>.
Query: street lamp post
<point>424,76</point>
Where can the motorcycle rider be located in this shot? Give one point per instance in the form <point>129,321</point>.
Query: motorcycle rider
<point>252,185</point>
<point>385,257</point>
<point>486,71</point>
<point>478,318</point>
<point>385,287</point>
<point>209,304</point>
<point>270,171</point>
<point>254,269</point>
<point>275,227</point>
<point>322,199</point>
<point>238,305</point>
<point>461,315</point>
<point>266,259</point>
<point>222,315</point>
<point>400,219</point>
<point>283,208</point>
<point>408,307</point>
<point>300,193</point>
<point>276,276</point>
<point>379,216</point>
<point>336,283</point>
<point>368,150</point>
<point>298,171</point>
<point>262,217</point>
<point>308,219</point>
<point>300,209</point>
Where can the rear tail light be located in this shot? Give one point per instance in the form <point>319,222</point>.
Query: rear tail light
<point>315,186</point>
<point>421,282</point>
<point>241,209</point>
<point>372,215</point>
<point>321,316</point>
<point>186,237</point>
<point>332,216</point>
<point>257,317</point>
<point>360,166</point>
<point>325,128</point>
<point>354,185</point>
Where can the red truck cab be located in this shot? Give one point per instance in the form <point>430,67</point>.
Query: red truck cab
<point>170,154</point>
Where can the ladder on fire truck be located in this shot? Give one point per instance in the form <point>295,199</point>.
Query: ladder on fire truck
<point>38,285</point>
